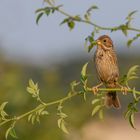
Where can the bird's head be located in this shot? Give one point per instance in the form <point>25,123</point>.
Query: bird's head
<point>105,42</point>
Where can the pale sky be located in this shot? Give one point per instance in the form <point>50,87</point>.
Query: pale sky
<point>48,42</point>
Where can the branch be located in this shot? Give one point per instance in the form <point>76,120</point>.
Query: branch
<point>89,90</point>
<point>92,23</point>
<point>38,108</point>
<point>116,89</point>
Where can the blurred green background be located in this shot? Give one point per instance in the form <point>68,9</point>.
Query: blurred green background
<point>54,83</point>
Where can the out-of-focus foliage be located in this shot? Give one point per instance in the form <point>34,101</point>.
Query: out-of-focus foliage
<point>54,83</point>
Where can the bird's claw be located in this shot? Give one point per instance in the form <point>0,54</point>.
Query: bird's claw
<point>124,90</point>
<point>95,90</point>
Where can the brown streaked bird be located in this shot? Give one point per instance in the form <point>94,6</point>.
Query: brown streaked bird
<point>107,69</point>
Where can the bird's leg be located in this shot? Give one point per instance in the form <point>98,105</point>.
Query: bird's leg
<point>124,89</point>
<point>95,88</point>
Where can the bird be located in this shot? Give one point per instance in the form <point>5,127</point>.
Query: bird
<point>105,60</point>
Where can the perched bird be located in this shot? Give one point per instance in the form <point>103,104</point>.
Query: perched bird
<point>107,69</point>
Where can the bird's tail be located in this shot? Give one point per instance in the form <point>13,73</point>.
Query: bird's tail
<point>112,100</point>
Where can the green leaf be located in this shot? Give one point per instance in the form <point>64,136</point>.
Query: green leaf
<point>30,117</point>
<point>85,97</point>
<point>84,70</point>
<point>101,114</point>
<point>73,85</point>
<point>63,115</point>
<point>91,46</point>
<point>2,106</point>
<point>50,2</point>
<point>30,90</point>
<point>96,109</point>
<point>127,114</point>
<point>63,127</point>
<point>124,29</point>
<point>7,133</point>
<point>13,133</point>
<point>95,101</point>
<point>131,120</point>
<point>64,21</point>
<point>59,121</point>
<point>3,114</point>
<point>71,24</point>
<point>33,85</point>
<point>45,113</point>
<point>93,7</point>
<point>129,42</point>
<point>39,10</point>
<point>47,11</point>
<point>33,119</point>
<point>88,12</point>
<point>38,17</point>
<point>134,94</point>
<point>132,71</point>
<point>129,17</point>
<point>10,132</point>
<point>132,13</point>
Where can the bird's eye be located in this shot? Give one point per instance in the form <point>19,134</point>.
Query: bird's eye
<point>104,40</point>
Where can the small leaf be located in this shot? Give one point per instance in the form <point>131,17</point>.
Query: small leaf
<point>96,109</point>
<point>3,105</point>
<point>71,24</point>
<point>85,98</point>
<point>63,127</point>
<point>63,115</point>
<point>91,45</point>
<point>38,17</point>
<point>59,107</point>
<point>91,8</point>
<point>45,113</point>
<point>7,133</point>
<point>33,119</point>
<point>10,132</point>
<point>13,133</point>
<point>50,2</point>
<point>101,114</point>
<point>3,114</point>
<point>64,21</point>
<point>84,70</point>
<point>95,101</point>
<point>59,121</point>
<point>33,85</point>
<point>30,90</point>
<point>47,11</point>
<point>131,14</point>
<point>127,114</point>
<point>39,10</point>
<point>131,120</point>
<point>129,42</point>
<point>73,85</point>
<point>29,117</point>
<point>134,94</point>
<point>132,71</point>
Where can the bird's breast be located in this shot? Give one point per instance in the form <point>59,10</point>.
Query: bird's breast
<point>106,65</point>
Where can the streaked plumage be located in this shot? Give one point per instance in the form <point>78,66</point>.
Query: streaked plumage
<point>107,68</point>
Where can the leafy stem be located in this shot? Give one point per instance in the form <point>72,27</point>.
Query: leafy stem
<point>79,19</point>
<point>60,101</point>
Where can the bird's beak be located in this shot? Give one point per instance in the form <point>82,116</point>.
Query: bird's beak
<point>98,42</point>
